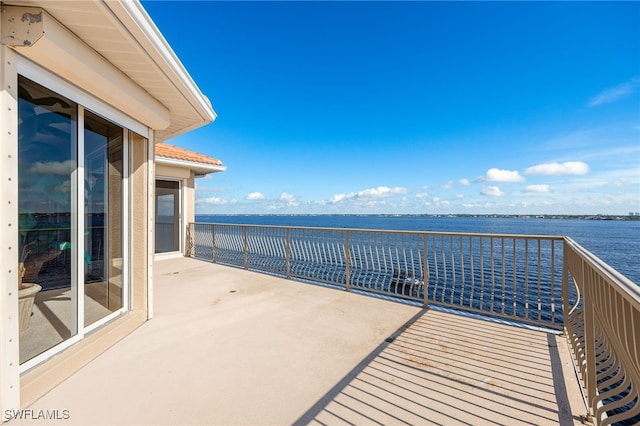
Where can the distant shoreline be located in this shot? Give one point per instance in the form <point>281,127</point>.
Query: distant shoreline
<point>498,216</point>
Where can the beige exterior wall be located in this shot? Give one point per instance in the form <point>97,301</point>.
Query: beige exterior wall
<point>141,225</point>
<point>70,65</point>
<point>190,197</point>
<point>9,344</point>
<point>20,390</point>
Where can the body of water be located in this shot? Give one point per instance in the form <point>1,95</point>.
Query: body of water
<point>615,242</point>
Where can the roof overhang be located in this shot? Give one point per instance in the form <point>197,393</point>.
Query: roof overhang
<point>200,169</point>
<point>100,45</point>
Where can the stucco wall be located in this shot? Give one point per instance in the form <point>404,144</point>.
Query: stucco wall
<point>141,221</point>
<point>9,351</point>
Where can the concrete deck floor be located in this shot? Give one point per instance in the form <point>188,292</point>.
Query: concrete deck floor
<point>228,346</point>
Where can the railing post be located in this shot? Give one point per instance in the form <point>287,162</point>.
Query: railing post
<point>589,340</point>
<point>565,286</point>
<point>246,248</point>
<point>425,272</point>
<point>191,245</point>
<point>346,261</point>
<point>287,253</point>
<point>213,243</point>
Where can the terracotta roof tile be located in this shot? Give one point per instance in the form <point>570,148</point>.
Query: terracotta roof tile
<point>170,151</point>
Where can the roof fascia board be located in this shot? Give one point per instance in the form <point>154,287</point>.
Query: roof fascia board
<point>199,168</point>
<point>61,52</point>
<point>137,21</point>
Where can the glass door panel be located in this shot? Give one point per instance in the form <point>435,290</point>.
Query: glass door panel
<point>167,216</point>
<point>47,163</point>
<point>103,207</point>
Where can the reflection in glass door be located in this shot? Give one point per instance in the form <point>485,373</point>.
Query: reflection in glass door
<point>47,167</point>
<point>167,216</point>
<point>103,235</point>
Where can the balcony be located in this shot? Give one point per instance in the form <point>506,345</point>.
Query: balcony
<point>228,346</point>
<point>465,329</point>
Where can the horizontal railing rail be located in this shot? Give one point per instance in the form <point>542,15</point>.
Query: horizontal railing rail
<point>547,281</point>
<point>603,328</point>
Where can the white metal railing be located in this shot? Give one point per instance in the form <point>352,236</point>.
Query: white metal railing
<point>517,277</point>
<point>603,327</point>
<point>522,278</point>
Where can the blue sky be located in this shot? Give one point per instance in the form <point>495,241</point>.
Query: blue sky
<point>414,107</point>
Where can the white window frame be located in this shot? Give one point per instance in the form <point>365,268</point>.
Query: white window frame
<point>182,210</point>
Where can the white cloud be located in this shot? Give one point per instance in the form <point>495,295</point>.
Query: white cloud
<point>504,176</point>
<point>422,195</point>
<point>451,184</point>
<point>437,202</point>
<point>289,199</point>
<point>216,201</point>
<point>557,169</point>
<point>369,194</point>
<point>620,178</point>
<point>537,189</point>
<point>64,187</point>
<point>492,191</point>
<point>58,168</point>
<point>255,196</point>
<point>487,205</point>
<point>621,183</point>
<point>338,197</point>
<point>381,192</point>
<point>615,93</point>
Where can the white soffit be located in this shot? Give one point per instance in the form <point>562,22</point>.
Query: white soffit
<point>200,169</point>
<point>123,34</point>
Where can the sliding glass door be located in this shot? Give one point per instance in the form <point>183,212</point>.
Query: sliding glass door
<point>73,222</point>
<point>103,235</point>
<point>167,216</point>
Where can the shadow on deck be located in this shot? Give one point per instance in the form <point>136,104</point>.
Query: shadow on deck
<point>228,346</point>
<point>446,369</point>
